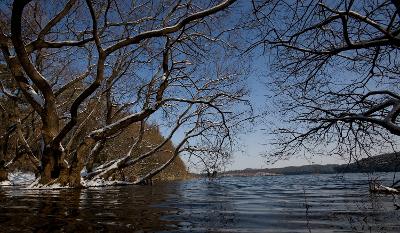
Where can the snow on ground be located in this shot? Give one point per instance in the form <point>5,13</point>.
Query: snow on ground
<point>36,185</point>
<point>28,180</point>
<point>5,183</point>
<point>19,178</point>
<point>101,183</point>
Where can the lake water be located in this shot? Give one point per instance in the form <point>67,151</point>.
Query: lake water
<point>306,203</point>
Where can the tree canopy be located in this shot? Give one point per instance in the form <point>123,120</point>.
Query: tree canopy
<point>335,71</point>
<point>88,70</point>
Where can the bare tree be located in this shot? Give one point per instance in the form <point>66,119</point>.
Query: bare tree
<point>335,73</point>
<point>154,59</point>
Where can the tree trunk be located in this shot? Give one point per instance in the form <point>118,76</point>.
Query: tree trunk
<point>3,153</point>
<point>72,176</point>
<point>54,169</point>
<point>3,172</point>
<point>52,165</point>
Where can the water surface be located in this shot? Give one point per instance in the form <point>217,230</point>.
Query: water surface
<point>306,203</point>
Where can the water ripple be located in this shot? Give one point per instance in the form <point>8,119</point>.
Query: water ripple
<point>323,203</point>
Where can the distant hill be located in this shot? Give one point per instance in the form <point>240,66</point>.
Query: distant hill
<point>380,163</point>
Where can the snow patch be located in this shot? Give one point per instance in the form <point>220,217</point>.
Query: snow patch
<point>102,183</point>
<point>18,178</point>
<point>84,172</point>
<point>35,96</point>
<point>28,180</point>
<point>6,183</point>
<point>37,185</point>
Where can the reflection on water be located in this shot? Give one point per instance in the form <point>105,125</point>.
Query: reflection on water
<point>93,210</point>
<point>324,203</point>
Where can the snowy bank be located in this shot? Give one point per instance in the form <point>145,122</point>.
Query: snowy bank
<point>19,178</point>
<point>28,181</point>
